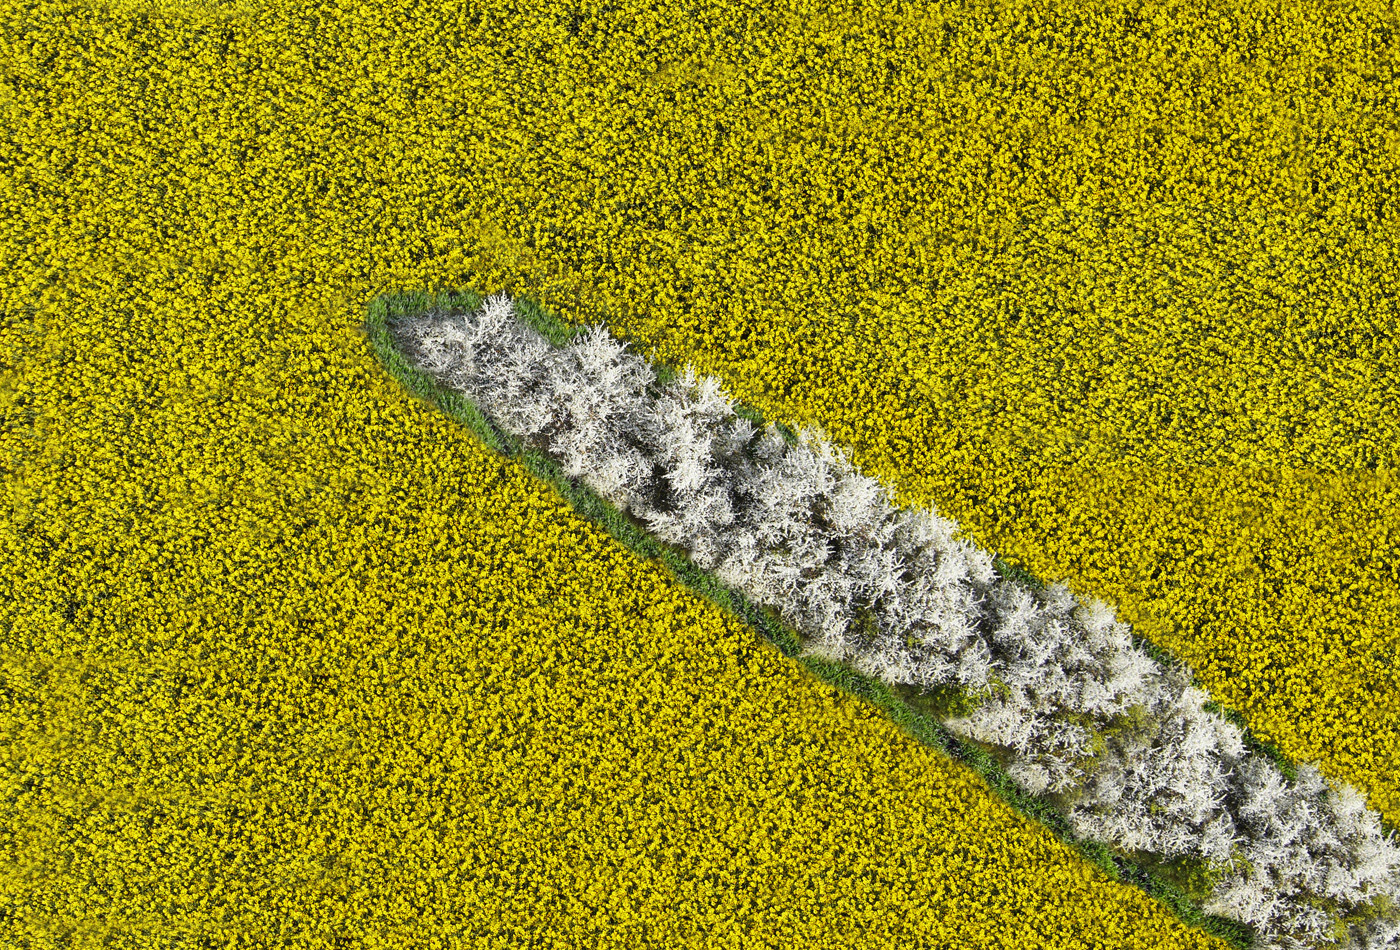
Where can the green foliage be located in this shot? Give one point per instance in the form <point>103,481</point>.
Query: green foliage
<point>1194,878</point>
<point>751,414</point>
<point>951,700</point>
<point>1015,572</point>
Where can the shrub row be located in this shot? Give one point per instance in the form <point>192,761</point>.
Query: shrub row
<point>1124,747</point>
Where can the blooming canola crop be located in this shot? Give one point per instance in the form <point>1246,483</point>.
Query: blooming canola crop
<point>287,660</point>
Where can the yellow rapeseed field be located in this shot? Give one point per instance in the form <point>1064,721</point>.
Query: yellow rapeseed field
<point>1116,288</point>
<point>291,660</point>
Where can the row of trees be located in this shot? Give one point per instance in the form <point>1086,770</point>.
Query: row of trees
<point>1074,709</point>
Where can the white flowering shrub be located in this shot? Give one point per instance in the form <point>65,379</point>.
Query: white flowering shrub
<point>1307,844</point>
<point>697,440</point>
<point>1073,707</point>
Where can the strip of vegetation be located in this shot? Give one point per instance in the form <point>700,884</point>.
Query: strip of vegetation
<point>560,333</point>
<point>912,711</point>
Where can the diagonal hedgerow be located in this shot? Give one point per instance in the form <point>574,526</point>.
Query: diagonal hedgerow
<point>1083,726</point>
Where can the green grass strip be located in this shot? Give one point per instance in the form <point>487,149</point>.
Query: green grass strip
<point>900,704</point>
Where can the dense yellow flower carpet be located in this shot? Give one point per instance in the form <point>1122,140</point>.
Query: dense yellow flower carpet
<point>291,660</point>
